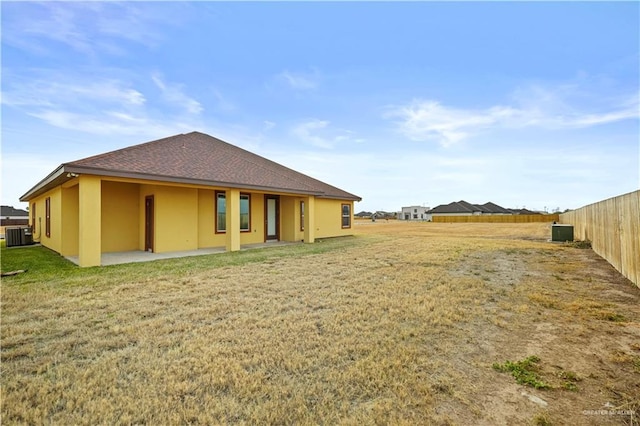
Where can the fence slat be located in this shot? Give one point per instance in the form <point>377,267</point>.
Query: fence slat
<point>613,227</point>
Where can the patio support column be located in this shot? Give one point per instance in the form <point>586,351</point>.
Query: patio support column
<point>233,219</point>
<point>310,219</point>
<point>90,221</point>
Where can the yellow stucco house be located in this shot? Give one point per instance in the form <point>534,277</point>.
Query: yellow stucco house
<point>184,192</point>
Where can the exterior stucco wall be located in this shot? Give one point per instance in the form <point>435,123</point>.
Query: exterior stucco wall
<point>328,218</point>
<point>120,216</point>
<point>176,217</point>
<point>70,221</point>
<point>290,219</point>
<point>207,236</point>
<point>54,241</point>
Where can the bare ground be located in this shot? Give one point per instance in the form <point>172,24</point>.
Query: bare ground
<point>401,324</point>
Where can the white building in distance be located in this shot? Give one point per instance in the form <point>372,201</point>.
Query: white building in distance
<point>414,213</point>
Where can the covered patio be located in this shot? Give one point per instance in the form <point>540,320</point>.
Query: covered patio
<point>117,258</point>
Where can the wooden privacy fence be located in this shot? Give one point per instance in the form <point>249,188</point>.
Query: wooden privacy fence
<point>507,218</point>
<point>613,227</point>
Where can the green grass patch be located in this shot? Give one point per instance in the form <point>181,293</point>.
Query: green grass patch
<point>525,372</point>
<point>47,269</point>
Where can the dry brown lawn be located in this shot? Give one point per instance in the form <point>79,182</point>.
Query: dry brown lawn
<point>400,324</point>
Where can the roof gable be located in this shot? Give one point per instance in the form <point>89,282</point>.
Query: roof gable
<point>494,208</point>
<point>201,159</point>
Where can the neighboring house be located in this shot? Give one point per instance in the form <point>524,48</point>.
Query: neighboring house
<point>457,208</point>
<point>463,208</point>
<point>523,211</point>
<point>182,192</point>
<point>363,215</point>
<point>414,213</point>
<point>495,209</point>
<point>381,214</point>
<point>10,216</point>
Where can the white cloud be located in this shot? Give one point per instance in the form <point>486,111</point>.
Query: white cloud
<point>102,105</point>
<point>174,94</point>
<point>429,120</point>
<point>304,131</point>
<point>318,133</point>
<point>300,80</point>
<point>112,123</point>
<point>90,28</point>
<point>50,90</point>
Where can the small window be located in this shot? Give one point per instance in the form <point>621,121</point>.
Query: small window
<point>47,213</point>
<point>221,212</point>
<point>346,215</point>
<point>302,215</point>
<point>245,216</point>
<point>33,218</point>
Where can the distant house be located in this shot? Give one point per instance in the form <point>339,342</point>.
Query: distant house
<point>10,216</point>
<point>463,208</point>
<point>414,213</point>
<point>381,214</point>
<point>495,209</point>
<point>182,192</point>
<point>363,214</point>
<point>523,211</point>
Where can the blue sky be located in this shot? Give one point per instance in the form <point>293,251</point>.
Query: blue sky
<point>416,103</point>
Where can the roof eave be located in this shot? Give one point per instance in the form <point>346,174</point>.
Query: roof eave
<point>58,176</point>
<point>349,197</point>
<point>51,181</point>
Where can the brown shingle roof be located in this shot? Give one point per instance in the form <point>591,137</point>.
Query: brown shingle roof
<point>494,208</point>
<point>202,159</point>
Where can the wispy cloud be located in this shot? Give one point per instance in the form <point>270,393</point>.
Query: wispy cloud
<point>174,94</point>
<point>268,125</point>
<point>300,80</point>
<point>430,120</point>
<point>103,105</point>
<point>86,27</point>
<point>48,92</point>
<point>318,133</point>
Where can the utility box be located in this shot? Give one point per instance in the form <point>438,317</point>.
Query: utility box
<point>27,236</point>
<point>13,237</point>
<point>18,236</point>
<point>561,232</point>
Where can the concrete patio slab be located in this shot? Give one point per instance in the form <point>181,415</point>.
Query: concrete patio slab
<point>118,258</point>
